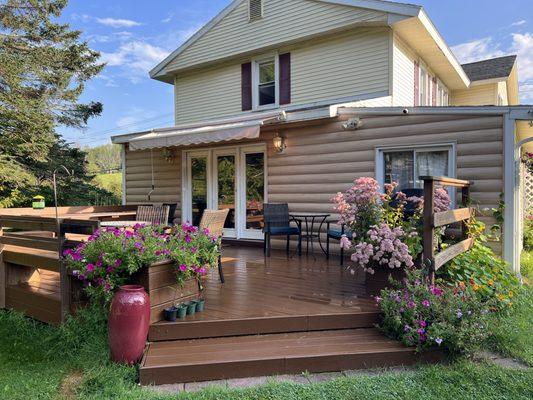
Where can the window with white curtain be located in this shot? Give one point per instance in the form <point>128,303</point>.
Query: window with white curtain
<point>405,166</point>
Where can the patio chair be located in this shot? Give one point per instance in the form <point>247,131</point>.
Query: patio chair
<point>154,214</point>
<point>278,223</point>
<point>214,220</point>
<point>336,234</point>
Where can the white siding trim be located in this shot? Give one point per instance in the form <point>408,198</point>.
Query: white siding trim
<point>123,161</point>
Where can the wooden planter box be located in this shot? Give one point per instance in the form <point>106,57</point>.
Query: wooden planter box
<point>159,281</point>
<point>380,280</point>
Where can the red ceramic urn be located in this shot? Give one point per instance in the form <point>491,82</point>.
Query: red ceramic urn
<point>129,320</point>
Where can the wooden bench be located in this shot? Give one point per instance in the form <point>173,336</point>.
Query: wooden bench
<point>33,277</point>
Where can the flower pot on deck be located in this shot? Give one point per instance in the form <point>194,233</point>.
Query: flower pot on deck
<point>191,307</point>
<point>129,320</point>
<point>380,279</point>
<point>182,311</point>
<point>170,313</point>
<point>200,305</point>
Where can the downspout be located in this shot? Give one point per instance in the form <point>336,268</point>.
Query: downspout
<point>511,159</point>
<point>152,169</point>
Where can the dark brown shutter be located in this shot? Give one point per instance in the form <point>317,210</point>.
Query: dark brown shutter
<point>434,92</point>
<point>246,86</point>
<point>417,84</point>
<point>285,78</point>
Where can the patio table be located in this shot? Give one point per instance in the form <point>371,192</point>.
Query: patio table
<point>308,221</point>
<point>122,224</point>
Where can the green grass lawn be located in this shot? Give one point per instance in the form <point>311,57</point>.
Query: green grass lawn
<point>43,362</point>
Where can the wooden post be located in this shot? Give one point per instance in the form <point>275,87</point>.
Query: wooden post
<point>465,202</point>
<point>64,279</point>
<point>3,276</point>
<point>429,231</point>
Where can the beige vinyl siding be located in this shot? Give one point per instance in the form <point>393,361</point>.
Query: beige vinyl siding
<point>403,83</point>
<point>208,94</point>
<point>338,67</point>
<point>167,178</point>
<point>283,22</point>
<point>482,95</point>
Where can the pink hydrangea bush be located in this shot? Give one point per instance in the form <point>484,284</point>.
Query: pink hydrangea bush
<point>111,256</point>
<point>383,236</point>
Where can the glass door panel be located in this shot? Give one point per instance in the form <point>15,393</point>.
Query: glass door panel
<point>199,196</point>
<point>226,170</point>
<point>254,191</point>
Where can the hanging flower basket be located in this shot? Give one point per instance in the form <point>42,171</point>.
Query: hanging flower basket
<point>527,160</point>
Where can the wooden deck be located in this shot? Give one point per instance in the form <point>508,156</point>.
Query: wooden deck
<point>274,315</point>
<point>275,294</point>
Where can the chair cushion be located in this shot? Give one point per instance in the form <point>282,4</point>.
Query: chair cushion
<point>283,230</point>
<point>337,234</point>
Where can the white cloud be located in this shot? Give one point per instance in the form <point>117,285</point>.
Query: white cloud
<point>519,23</point>
<point>168,18</point>
<point>117,22</point>
<point>136,58</point>
<point>476,50</point>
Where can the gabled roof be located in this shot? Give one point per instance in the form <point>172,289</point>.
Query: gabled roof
<point>400,9</point>
<point>494,68</point>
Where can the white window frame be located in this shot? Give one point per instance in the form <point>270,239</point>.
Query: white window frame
<point>255,81</point>
<point>240,231</point>
<point>423,87</point>
<point>452,157</point>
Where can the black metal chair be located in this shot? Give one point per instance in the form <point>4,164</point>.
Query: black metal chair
<point>278,223</point>
<point>336,234</point>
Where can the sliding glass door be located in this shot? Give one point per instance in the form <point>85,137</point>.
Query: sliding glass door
<point>227,178</point>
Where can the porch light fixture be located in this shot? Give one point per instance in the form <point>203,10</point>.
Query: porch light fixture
<point>279,143</point>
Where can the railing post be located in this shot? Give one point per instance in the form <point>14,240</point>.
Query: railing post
<point>465,202</point>
<point>429,230</point>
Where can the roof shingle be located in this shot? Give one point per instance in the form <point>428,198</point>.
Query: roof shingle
<point>489,69</point>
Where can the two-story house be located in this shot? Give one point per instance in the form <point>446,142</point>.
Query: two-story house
<point>290,100</point>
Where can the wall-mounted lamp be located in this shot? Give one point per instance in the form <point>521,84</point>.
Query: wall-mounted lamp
<point>169,155</point>
<point>279,143</point>
<point>352,124</point>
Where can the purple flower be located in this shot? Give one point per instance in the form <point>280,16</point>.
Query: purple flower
<point>422,323</point>
<point>402,310</point>
<point>183,268</point>
<point>90,267</point>
<point>378,299</point>
<point>81,277</point>
<point>411,305</point>
<point>406,328</point>
<point>421,331</point>
<point>425,303</point>
<point>118,262</point>
<point>128,234</point>
<point>107,287</point>
<point>437,291</point>
<point>187,239</point>
<point>459,314</point>
<point>193,249</point>
<point>138,245</point>
<point>202,271</point>
<point>438,341</point>
<point>110,269</point>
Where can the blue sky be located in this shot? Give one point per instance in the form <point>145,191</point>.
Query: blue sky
<point>133,36</point>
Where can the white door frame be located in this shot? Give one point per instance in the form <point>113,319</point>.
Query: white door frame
<point>240,151</point>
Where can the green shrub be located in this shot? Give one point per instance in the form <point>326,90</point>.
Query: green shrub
<point>528,233</point>
<point>427,316</point>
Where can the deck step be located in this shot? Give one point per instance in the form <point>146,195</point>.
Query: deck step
<point>182,361</point>
<point>192,328</point>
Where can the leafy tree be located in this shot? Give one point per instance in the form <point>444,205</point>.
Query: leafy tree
<point>103,159</point>
<point>44,66</point>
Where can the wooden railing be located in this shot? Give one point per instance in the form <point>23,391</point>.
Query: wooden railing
<point>432,260</point>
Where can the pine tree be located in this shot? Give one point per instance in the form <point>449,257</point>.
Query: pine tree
<point>44,66</point>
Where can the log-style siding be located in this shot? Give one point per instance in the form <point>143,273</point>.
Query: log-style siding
<point>167,178</point>
<point>323,159</point>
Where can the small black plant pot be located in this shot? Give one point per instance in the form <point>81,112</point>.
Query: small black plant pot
<point>200,305</point>
<point>182,311</point>
<point>170,313</point>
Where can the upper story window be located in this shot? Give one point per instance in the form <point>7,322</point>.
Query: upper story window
<point>255,10</point>
<point>442,95</point>
<point>265,82</point>
<point>424,88</point>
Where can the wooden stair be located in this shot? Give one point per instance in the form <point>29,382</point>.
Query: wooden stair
<point>193,360</point>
